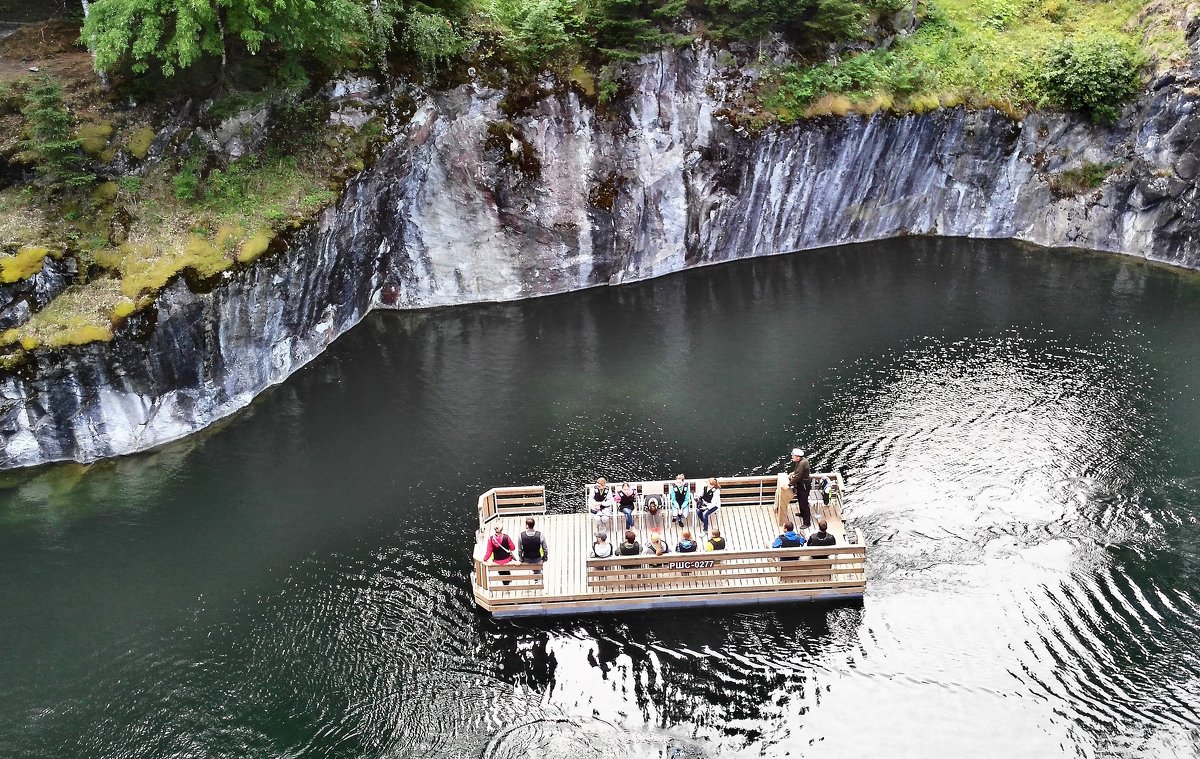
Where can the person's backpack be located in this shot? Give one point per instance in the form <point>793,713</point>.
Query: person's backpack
<point>608,550</point>
<point>630,549</point>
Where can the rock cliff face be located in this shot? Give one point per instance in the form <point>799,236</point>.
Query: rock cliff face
<point>469,205</point>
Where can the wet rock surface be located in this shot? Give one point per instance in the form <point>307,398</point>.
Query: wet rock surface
<point>472,203</point>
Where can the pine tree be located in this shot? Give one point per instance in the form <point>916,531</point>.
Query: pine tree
<point>59,159</point>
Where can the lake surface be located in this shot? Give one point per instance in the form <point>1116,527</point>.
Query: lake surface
<point>1018,430</point>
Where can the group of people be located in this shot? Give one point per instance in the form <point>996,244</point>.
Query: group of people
<point>604,501</point>
<point>656,546</point>
<point>530,547</point>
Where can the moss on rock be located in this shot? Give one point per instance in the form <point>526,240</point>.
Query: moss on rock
<point>255,246</point>
<point>93,138</point>
<point>23,264</point>
<point>140,141</point>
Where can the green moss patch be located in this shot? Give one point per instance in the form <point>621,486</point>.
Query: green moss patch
<point>93,138</point>
<point>23,264</point>
<point>139,142</point>
<point>81,314</point>
<point>255,246</point>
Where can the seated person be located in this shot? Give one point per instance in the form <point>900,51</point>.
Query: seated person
<point>656,546</point>
<point>715,542</point>
<point>601,548</point>
<point>822,537</point>
<point>654,517</point>
<point>790,538</point>
<point>708,502</point>
<point>626,501</point>
<point>631,546</point>
<point>679,498</point>
<point>686,544</point>
<point>500,549</point>
<point>601,505</point>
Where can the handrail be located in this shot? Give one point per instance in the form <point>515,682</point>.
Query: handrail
<point>648,560</point>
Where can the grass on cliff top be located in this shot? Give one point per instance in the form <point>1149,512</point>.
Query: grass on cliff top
<point>176,222</point>
<point>974,52</point>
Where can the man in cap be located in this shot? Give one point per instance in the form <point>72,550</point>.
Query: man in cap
<point>801,481</point>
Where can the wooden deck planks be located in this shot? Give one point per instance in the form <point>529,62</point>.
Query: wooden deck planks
<point>570,538</point>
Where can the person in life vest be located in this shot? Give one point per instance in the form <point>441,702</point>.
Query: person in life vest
<point>715,542</point>
<point>679,499</point>
<point>500,550</point>
<point>631,546</point>
<point>708,502</point>
<point>656,546</point>
<point>531,546</point>
<point>654,517</point>
<point>601,505</point>
<point>626,501</point>
<point>822,537</point>
<point>601,548</point>
<point>801,481</point>
<point>686,544</point>
<point>789,539</point>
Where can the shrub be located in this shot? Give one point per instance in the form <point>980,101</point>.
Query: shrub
<point>1093,74</point>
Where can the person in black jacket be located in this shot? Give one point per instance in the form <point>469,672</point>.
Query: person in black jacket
<point>531,547</point>
<point>801,481</point>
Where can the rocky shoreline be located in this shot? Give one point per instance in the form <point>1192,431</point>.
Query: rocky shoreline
<point>468,204</point>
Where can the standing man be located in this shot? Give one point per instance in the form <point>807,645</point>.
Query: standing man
<point>801,481</point>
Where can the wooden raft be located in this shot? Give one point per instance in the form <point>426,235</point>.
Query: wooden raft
<point>747,572</point>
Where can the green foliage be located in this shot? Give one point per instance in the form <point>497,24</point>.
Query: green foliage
<point>173,35</point>
<point>130,184</point>
<point>1089,176</point>
<point>803,22</point>
<point>622,29</point>
<point>537,31</point>
<point>1094,74</point>
<point>59,158</point>
<point>863,74</point>
<point>187,181</point>
<point>433,38</point>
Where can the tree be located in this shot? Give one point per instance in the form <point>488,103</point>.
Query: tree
<point>623,28</point>
<point>58,156</point>
<point>173,34</point>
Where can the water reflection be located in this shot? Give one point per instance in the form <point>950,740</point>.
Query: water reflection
<point>1017,428</point>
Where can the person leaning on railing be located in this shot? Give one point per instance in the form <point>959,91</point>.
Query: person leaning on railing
<point>500,550</point>
<point>531,546</point>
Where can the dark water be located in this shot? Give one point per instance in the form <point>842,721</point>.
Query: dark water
<point>1018,431</point>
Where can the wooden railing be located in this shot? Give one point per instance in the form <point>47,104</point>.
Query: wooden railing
<point>500,502</point>
<point>511,576</point>
<point>728,571</point>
